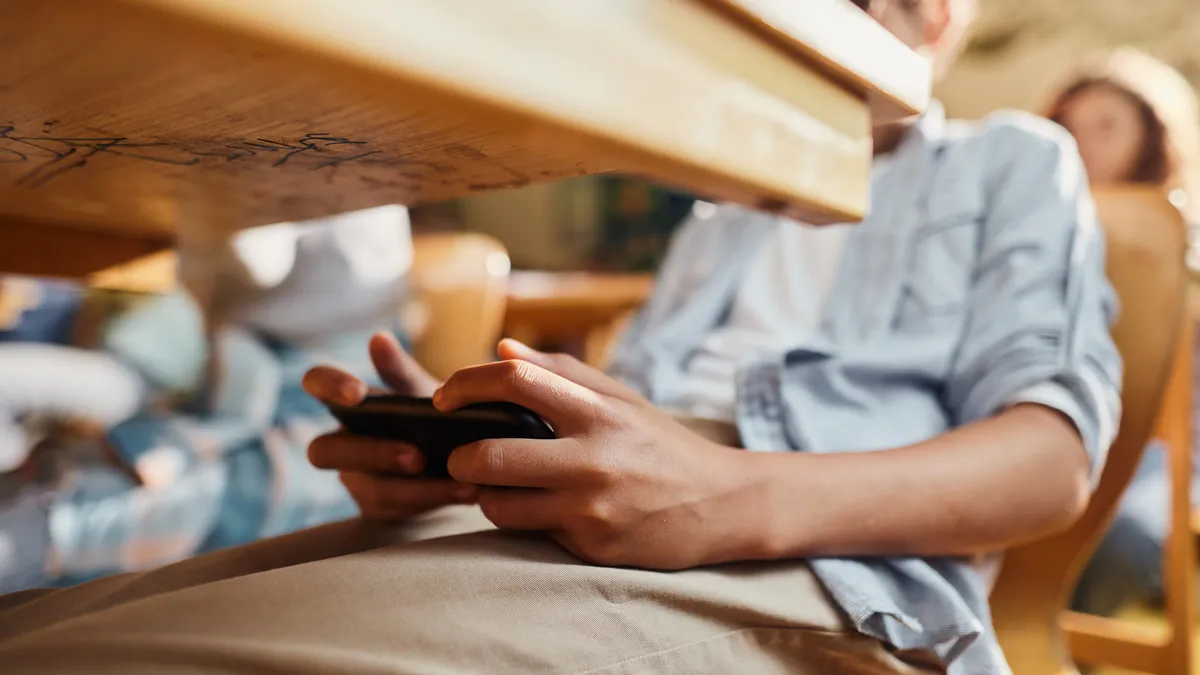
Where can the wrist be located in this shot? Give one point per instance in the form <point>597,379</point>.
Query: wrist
<point>787,501</point>
<point>748,512</point>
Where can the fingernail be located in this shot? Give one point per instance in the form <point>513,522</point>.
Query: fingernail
<point>350,392</point>
<point>408,461</point>
<point>438,397</point>
<point>522,347</point>
<point>466,494</point>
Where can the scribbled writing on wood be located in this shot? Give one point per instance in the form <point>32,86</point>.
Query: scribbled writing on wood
<point>45,157</point>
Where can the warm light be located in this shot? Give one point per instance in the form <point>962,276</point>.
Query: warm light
<point>1178,198</point>
<point>498,264</point>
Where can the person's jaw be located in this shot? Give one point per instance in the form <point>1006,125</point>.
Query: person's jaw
<point>887,137</point>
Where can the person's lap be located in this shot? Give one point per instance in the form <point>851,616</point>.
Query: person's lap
<point>358,598</point>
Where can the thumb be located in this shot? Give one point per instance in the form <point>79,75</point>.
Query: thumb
<point>567,367</point>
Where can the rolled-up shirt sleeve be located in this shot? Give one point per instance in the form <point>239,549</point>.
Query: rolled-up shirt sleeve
<point>1052,395</point>
<point>1041,303</point>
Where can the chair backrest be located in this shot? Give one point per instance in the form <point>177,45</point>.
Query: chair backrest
<point>461,281</point>
<point>1146,246</point>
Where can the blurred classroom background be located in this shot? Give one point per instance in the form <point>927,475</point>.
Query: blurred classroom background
<point>562,266</point>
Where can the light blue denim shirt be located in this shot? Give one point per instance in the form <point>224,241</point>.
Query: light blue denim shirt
<point>978,274</point>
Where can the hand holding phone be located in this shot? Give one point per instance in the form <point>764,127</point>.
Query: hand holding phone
<point>436,433</point>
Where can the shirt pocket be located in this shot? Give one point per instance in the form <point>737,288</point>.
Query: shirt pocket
<point>939,273</point>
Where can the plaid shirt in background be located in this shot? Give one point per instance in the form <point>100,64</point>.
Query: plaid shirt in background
<point>209,482</point>
<point>237,472</point>
<point>196,496</point>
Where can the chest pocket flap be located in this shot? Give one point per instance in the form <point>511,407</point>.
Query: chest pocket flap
<point>944,249</point>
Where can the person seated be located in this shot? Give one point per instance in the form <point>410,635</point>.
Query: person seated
<point>1136,122</point>
<point>224,464</point>
<point>49,390</point>
<point>886,406</point>
<point>37,361</point>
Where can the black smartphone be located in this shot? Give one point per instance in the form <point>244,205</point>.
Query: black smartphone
<point>435,433</point>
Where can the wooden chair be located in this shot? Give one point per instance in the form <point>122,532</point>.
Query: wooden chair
<point>1146,245</point>
<point>589,307</point>
<point>461,280</point>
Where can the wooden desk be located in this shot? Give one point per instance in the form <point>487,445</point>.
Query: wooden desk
<point>128,125</point>
<point>551,306</point>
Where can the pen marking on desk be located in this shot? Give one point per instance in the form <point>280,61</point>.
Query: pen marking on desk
<point>54,156</point>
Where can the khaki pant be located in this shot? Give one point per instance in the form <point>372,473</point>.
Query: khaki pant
<point>446,593</point>
<point>353,598</point>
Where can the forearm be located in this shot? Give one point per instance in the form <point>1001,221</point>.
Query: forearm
<point>983,487</point>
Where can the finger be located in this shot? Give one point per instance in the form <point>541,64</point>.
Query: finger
<point>518,462</point>
<point>521,509</point>
<point>565,365</point>
<point>333,385</point>
<point>390,494</point>
<point>562,403</point>
<point>344,451</point>
<point>399,370</point>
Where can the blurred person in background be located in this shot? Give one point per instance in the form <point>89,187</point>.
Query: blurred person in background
<point>919,392</point>
<point>1136,122</point>
<point>44,380</point>
<point>202,424</point>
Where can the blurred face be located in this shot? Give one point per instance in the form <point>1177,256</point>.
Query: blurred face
<point>922,25</point>
<point>1107,125</point>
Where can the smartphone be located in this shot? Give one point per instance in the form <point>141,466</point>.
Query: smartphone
<point>435,433</point>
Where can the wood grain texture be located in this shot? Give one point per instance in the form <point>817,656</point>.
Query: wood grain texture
<point>206,116</point>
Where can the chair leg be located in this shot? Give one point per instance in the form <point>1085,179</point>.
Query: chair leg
<point>1179,557</point>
